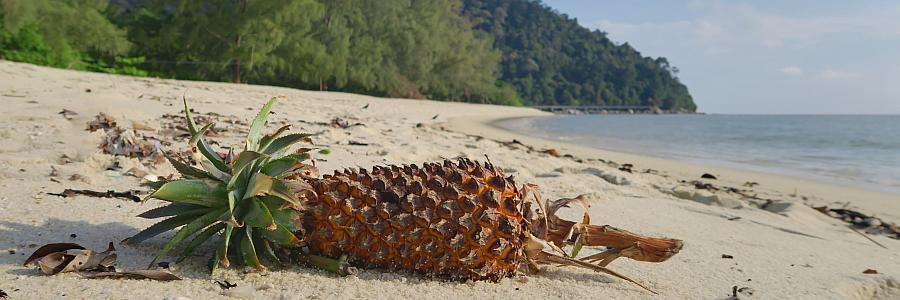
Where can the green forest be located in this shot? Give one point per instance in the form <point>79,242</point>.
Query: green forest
<point>511,52</point>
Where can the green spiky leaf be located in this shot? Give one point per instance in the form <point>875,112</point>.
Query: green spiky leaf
<point>256,127</point>
<point>284,142</point>
<point>187,171</point>
<point>203,147</point>
<point>233,197</point>
<point>248,250</point>
<point>221,256</point>
<point>199,239</point>
<point>258,215</point>
<point>266,249</point>
<point>259,185</point>
<point>245,158</point>
<point>163,226</point>
<point>194,191</point>
<point>172,209</point>
<point>241,177</point>
<point>229,158</point>
<point>280,190</point>
<point>267,139</point>
<point>190,229</point>
<point>283,214</point>
<point>279,166</point>
<point>281,235</point>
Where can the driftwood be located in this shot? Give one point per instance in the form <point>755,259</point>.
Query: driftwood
<point>130,195</point>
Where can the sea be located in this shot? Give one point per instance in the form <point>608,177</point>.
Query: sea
<point>856,150</point>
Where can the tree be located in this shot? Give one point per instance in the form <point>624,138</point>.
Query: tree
<point>58,33</point>
<point>550,59</point>
<point>240,36</point>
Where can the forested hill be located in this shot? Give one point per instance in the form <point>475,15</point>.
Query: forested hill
<point>551,59</point>
<point>510,52</point>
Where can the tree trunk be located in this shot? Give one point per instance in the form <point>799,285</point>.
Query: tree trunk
<point>236,65</point>
<point>236,71</point>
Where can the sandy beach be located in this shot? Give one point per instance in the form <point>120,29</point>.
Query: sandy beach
<point>780,246</point>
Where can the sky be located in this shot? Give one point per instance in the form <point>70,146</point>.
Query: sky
<point>764,57</point>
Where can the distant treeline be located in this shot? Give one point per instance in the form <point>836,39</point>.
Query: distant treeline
<point>510,52</point>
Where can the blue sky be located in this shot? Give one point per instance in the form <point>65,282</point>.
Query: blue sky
<point>791,56</point>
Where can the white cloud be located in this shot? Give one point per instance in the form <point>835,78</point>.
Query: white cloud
<point>724,26</point>
<point>792,70</point>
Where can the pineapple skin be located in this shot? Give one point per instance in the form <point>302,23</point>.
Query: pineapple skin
<point>463,221</point>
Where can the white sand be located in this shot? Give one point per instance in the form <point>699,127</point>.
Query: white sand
<point>793,252</point>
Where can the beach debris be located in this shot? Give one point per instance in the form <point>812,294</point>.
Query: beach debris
<point>737,292</point>
<point>130,195</point>
<point>343,124</point>
<point>336,123</point>
<point>101,121</point>
<point>53,171</point>
<point>172,125</point>
<point>123,142</point>
<point>435,116</point>
<point>708,176</point>
<point>65,159</point>
<point>50,248</point>
<point>355,143</point>
<point>225,284</point>
<point>727,256</point>
<point>3,295</point>
<point>552,152</point>
<point>650,171</point>
<point>870,271</point>
<point>365,107</point>
<point>158,275</point>
<point>126,142</point>
<point>857,220</point>
<point>67,114</point>
<point>751,183</point>
<point>515,144</point>
<point>704,186</point>
<point>626,168</point>
<point>54,258</point>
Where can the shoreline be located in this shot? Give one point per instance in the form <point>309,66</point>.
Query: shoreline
<point>883,204</point>
<point>729,162</point>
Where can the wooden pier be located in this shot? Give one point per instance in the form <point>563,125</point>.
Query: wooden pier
<point>598,109</point>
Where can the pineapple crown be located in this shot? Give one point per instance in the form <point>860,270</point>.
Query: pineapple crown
<point>241,200</point>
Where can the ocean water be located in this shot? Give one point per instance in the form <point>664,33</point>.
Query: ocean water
<point>848,149</point>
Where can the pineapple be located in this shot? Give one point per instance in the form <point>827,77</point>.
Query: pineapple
<point>459,220</point>
<point>464,220</point>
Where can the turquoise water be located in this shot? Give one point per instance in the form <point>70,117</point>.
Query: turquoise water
<point>856,150</point>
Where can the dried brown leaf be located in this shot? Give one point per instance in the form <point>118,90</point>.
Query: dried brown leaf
<point>136,274</point>
<point>61,262</point>
<point>51,248</point>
